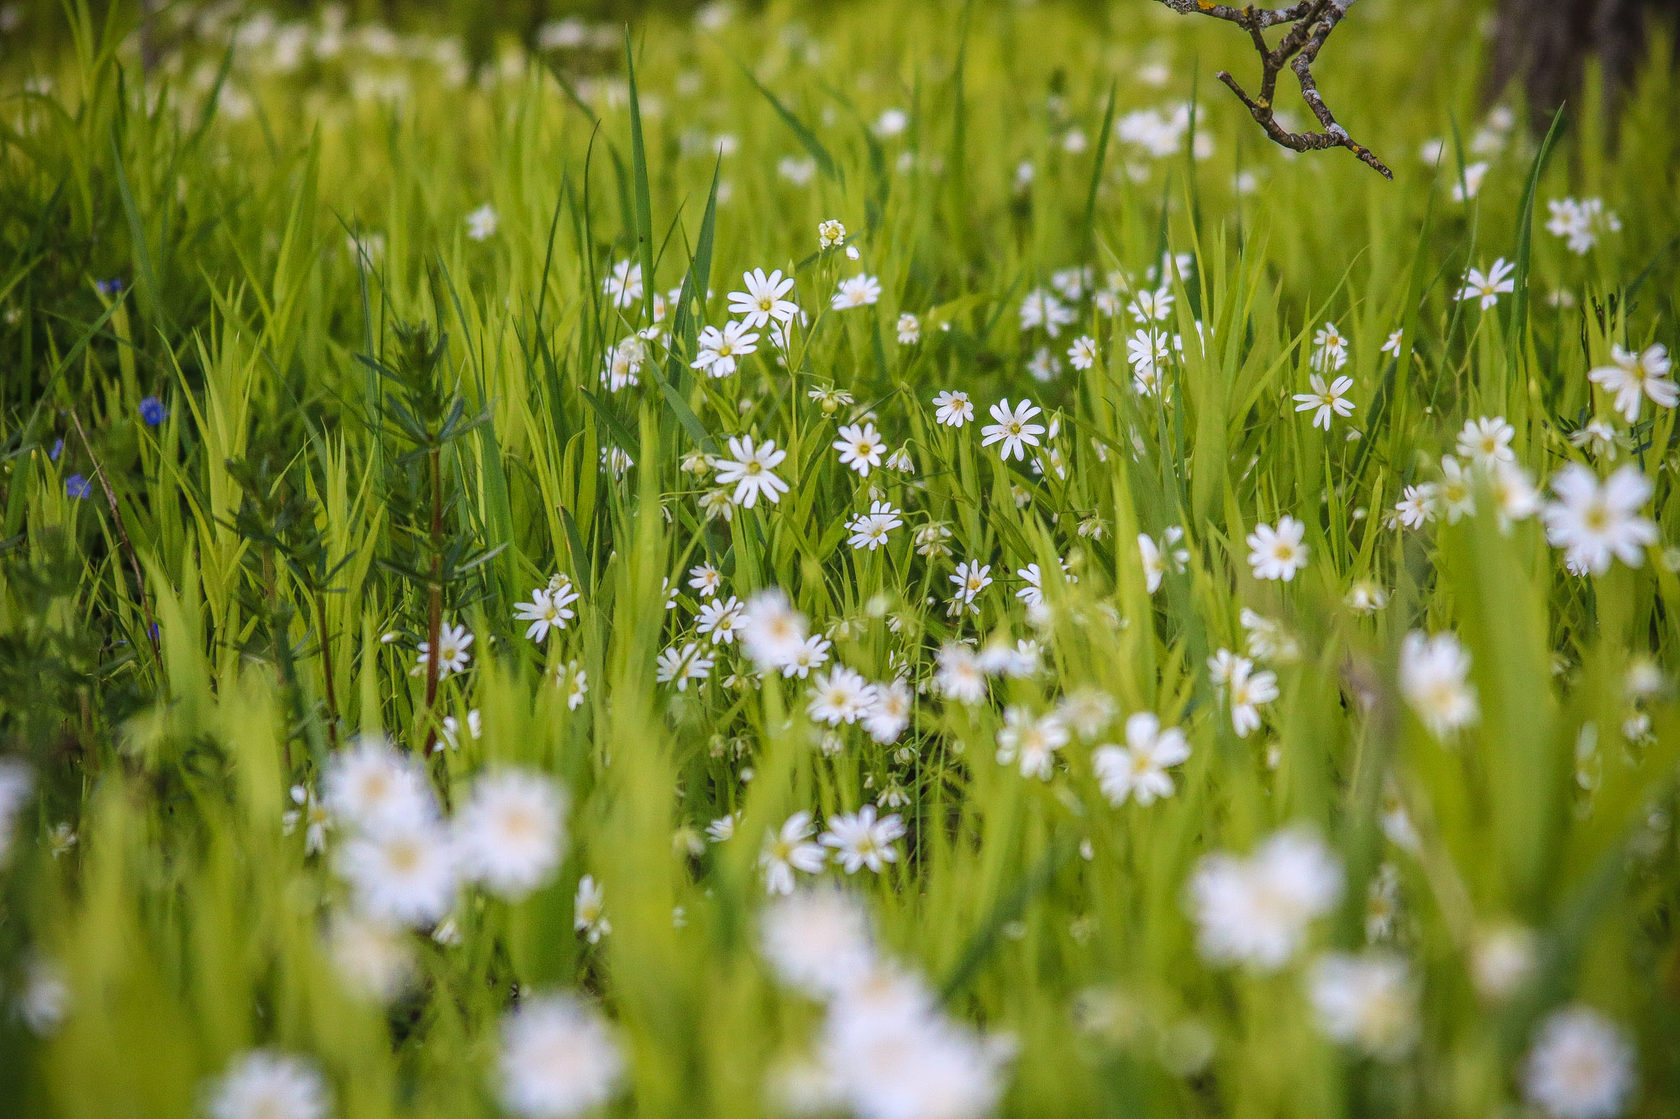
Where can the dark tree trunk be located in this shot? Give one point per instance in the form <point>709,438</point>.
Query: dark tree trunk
<point>1544,45</point>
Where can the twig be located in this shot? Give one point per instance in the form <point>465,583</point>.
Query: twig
<point>1312,22</point>
<point>122,535</point>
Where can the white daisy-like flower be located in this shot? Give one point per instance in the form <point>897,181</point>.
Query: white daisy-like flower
<point>1581,1066</point>
<point>720,351</point>
<point>861,840</point>
<point>1031,741</point>
<point>267,1084</point>
<point>680,666</point>
<point>1633,377</point>
<point>1596,523</point>
<point>1487,440</point>
<point>453,657</point>
<point>1012,429</point>
<point>1488,286</point>
<point>860,447</point>
<point>764,300</point>
<point>720,620</point>
<point>557,1059</point>
<point>790,849</point>
<point>510,833</point>
<point>751,470</point>
<point>1138,770</point>
<point>404,872</point>
<point>1325,401</point>
<point>1278,553</point>
<point>953,409</point>
<point>858,291</point>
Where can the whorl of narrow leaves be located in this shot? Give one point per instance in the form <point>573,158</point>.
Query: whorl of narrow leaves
<point>1311,23</point>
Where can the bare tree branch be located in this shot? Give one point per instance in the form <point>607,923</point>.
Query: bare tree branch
<point>1311,22</point>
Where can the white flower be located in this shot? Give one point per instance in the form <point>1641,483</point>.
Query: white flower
<point>1455,493</point>
<point>889,711</point>
<point>1595,523</point>
<point>624,286</point>
<point>266,1084</point>
<point>452,651</point>
<point>1581,1066</point>
<point>1330,352</point>
<point>1325,401</point>
<point>720,351</point>
<point>482,223</point>
<point>1580,223</point>
<point>1083,353</point>
<point>369,784</point>
<point>1632,377</point>
<point>1278,553</point>
<point>1151,306</point>
<point>1487,440</point>
<point>1012,429</point>
<point>860,840</point>
<point>1257,910</point>
<point>1470,185</point>
<point>1502,961</point>
<point>705,580</point>
<point>449,731</point>
<point>1155,556</point>
<point>1392,344</point>
<point>869,530</point>
<point>557,1059</point>
<point>510,833</point>
<point>573,682</point>
<point>1416,505</point>
<point>1245,688</point>
<point>858,291</point>
<point>788,850</point>
<point>549,609</point>
<point>1032,741</point>
<point>1366,597</point>
<point>589,910</point>
<point>838,696</point>
<point>403,872</point>
<point>679,666</point>
<point>909,330</point>
<point>860,447</point>
<point>1489,286</point>
<point>719,620</point>
<point>1146,352</point>
<point>1367,1000</point>
<point>772,631</point>
<point>953,409</point>
<point>764,300</point>
<point>971,578</point>
<point>1434,677</point>
<point>1042,309</point>
<point>830,234</point>
<point>375,961</point>
<point>960,676</point>
<point>751,470</point>
<point>1138,770</point>
<point>817,941</point>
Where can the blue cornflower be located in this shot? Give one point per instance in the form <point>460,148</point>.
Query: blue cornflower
<point>77,486</point>
<point>57,449</point>
<point>109,287</point>
<point>153,411</point>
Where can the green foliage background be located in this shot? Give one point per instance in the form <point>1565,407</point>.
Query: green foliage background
<point>187,925</point>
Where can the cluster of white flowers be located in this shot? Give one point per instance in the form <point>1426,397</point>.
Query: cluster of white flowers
<point>405,863</point>
<point>884,1048</point>
<point>1581,223</point>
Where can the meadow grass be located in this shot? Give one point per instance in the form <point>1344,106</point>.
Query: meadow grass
<point>279,406</point>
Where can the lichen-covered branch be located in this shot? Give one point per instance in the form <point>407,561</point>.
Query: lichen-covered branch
<point>1310,24</point>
